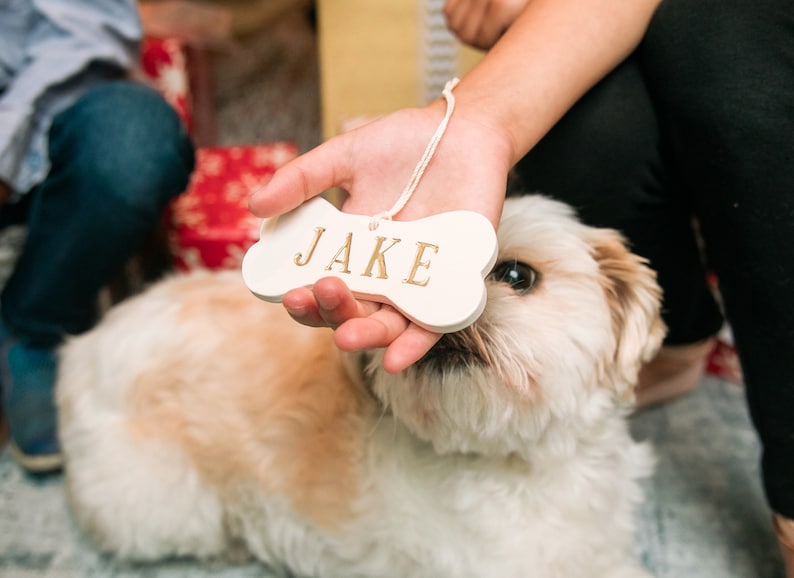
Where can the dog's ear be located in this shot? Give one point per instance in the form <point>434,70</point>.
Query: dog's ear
<point>634,299</point>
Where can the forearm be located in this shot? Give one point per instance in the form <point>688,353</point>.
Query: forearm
<point>554,52</point>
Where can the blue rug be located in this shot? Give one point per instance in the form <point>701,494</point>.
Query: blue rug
<point>705,514</point>
<point>704,517</point>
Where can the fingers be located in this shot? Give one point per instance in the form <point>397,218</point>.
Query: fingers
<point>302,179</point>
<point>464,17</point>
<point>360,324</point>
<point>375,331</point>
<point>493,25</point>
<point>480,23</point>
<point>472,33</point>
<point>405,342</point>
<point>329,303</point>
<point>302,307</point>
<point>337,304</point>
<point>408,348</point>
<point>455,12</point>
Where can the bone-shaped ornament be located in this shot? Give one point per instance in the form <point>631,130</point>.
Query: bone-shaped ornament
<point>431,269</point>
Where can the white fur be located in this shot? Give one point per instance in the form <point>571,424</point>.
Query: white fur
<point>519,467</point>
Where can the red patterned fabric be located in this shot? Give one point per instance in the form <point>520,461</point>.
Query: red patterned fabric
<point>210,225</point>
<point>723,362</point>
<point>163,62</point>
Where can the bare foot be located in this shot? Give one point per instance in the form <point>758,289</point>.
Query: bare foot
<point>784,528</point>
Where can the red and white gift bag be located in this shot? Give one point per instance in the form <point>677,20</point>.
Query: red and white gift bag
<point>164,65</point>
<point>723,362</point>
<point>210,225</point>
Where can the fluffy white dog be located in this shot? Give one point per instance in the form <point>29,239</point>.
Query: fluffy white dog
<point>197,420</point>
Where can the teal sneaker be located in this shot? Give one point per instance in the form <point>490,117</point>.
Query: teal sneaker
<point>28,378</point>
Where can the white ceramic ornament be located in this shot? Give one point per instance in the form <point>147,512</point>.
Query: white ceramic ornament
<point>431,269</point>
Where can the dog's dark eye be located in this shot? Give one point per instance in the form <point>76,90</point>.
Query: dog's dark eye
<point>520,276</point>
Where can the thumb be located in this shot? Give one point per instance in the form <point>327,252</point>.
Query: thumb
<point>299,180</point>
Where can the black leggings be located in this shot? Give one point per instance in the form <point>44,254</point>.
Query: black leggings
<point>698,127</point>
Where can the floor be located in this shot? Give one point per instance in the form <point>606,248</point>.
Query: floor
<point>267,86</point>
<point>704,516</point>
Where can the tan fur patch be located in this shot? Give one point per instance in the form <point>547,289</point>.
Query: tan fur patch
<point>255,398</point>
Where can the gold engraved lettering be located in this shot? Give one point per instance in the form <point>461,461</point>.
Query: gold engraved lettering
<point>377,255</point>
<point>344,251</point>
<point>298,257</point>
<point>421,247</point>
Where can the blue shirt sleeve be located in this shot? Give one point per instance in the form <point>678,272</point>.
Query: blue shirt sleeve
<point>54,50</point>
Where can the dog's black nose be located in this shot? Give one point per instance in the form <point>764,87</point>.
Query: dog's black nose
<point>462,348</point>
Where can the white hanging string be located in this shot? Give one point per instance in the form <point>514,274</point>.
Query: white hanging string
<point>421,166</point>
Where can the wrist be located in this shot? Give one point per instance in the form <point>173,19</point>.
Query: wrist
<point>471,165</point>
<point>490,119</point>
<point>475,125</point>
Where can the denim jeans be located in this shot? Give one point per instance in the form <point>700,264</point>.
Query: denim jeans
<point>118,156</point>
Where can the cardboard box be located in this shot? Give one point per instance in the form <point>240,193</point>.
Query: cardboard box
<point>379,56</point>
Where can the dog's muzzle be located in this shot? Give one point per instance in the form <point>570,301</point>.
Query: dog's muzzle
<point>466,348</point>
